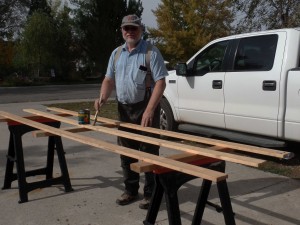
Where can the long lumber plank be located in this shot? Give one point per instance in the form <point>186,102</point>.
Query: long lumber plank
<point>209,141</point>
<point>76,129</point>
<point>143,167</point>
<point>41,133</point>
<point>204,173</point>
<point>3,119</point>
<point>164,143</point>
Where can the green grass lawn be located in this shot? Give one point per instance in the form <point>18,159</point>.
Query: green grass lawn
<point>108,110</point>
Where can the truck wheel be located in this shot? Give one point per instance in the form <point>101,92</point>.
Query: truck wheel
<point>167,121</point>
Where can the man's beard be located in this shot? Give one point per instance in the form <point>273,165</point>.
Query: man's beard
<point>132,41</point>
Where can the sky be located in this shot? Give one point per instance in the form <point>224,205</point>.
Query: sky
<point>147,17</point>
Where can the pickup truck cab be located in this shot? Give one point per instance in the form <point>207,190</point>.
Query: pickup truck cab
<point>248,83</point>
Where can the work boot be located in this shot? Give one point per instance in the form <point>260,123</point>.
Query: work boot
<point>126,199</point>
<point>145,203</point>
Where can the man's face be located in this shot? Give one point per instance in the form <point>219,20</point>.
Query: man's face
<point>132,34</point>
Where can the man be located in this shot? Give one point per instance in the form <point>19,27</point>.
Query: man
<point>138,94</point>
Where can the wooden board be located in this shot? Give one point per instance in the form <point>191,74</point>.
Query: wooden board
<point>35,118</point>
<point>209,141</point>
<point>163,143</point>
<point>143,167</point>
<point>204,173</point>
<point>40,133</point>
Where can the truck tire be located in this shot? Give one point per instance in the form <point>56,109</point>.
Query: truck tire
<point>167,121</point>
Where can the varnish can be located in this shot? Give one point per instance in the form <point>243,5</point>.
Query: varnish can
<point>86,116</point>
<point>81,116</point>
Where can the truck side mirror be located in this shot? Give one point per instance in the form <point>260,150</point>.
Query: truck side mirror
<point>181,69</point>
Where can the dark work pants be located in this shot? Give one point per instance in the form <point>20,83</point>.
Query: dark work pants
<point>133,114</point>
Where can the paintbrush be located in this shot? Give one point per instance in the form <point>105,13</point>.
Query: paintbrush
<point>98,111</point>
<point>95,118</point>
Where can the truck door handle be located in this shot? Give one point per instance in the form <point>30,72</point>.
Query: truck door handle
<point>217,84</point>
<point>269,85</point>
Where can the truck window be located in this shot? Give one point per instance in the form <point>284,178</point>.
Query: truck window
<point>256,53</point>
<point>210,59</point>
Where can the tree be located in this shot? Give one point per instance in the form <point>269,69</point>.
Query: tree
<point>47,41</point>
<point>39,5</point>
<point>11,17</point>
<point>38,42</point>
<point>14,14</point>
<point>6,56</point>
<point>186,26</point>
<point>267,14</point>
<point>97,24</point>
<point>64,47</point>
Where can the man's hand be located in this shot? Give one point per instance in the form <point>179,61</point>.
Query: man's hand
<point>106,88</point>
<point>147,119</point>
<point>157,93</point>
<point>99,102</point>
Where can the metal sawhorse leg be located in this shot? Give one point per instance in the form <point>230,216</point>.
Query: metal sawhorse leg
<point>15,155</point>
<point>169,183</point>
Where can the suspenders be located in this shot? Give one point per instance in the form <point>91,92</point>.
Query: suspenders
<point>149,82</point>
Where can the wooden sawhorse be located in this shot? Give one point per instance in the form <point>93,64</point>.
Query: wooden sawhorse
<point>15,155</point>
<point>168,183</point>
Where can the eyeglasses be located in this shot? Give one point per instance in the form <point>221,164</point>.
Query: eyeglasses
<point>130,28</point>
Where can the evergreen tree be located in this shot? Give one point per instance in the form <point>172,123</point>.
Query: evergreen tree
<point>186,26</point>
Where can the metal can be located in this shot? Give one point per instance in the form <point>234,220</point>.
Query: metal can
<point>86,116</point>
<point>81,116</point>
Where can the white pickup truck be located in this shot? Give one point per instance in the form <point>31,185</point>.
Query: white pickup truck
<point>248,83</point>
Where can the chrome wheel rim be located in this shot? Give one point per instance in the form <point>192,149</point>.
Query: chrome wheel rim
<point>163,123</point>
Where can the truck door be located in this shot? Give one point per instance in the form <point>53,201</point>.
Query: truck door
<point>252,87</point>
<point>200,94</point>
